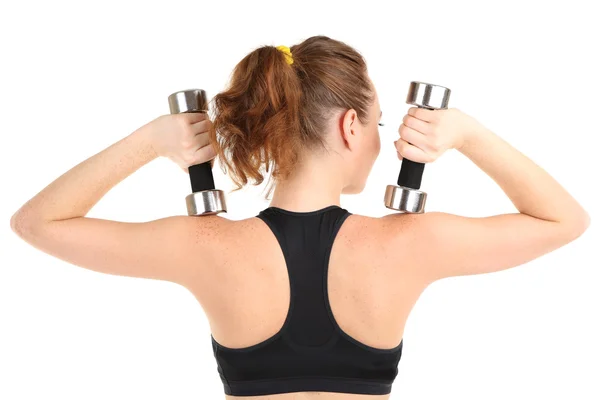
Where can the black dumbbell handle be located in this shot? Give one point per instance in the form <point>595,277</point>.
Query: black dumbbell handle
<point>201,177</point>
<point>411,173</point>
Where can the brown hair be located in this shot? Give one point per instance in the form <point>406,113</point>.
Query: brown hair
<point>273,110</point>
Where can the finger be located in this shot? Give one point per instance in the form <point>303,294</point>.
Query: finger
<point>417,124</point>
<point>411,152</point>
<point>201,140</point>
<point>413,137</point>
<point>200,127</point>
<point>422,113</point>
<point>194,117</point>
<point>204,123</point>
<point>204,154</point>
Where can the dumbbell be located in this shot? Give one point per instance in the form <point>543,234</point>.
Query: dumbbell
<point>204,199</point>
<point>406,197</point>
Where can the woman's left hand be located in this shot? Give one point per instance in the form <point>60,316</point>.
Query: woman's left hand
<point>183,138</point>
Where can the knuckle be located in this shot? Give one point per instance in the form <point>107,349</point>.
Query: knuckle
<point>402,130</point>
<point>189,158</point>
<point>189,143</point>
<point>399,144</point>
<point>189,131</point>
<point>430,129</point>
<point>402,146</point>
<point>444,114</point>
<point>212,151</point>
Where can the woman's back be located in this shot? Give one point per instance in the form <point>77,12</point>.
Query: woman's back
<point>365,274</point>
<point>251,296</point>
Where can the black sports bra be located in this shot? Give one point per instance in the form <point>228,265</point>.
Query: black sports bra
<point>310,352</point>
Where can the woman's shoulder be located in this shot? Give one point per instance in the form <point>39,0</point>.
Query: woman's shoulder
<point>385,229</point>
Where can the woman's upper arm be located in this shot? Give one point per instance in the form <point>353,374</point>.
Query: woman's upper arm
<point>169,249</point>
<point>444,245</point>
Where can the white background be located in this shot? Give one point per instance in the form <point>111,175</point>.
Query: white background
<point>78,76</point>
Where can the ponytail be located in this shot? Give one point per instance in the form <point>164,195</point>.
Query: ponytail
<point>275,108</point>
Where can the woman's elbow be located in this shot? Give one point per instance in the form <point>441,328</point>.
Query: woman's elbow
<point>578,225</point>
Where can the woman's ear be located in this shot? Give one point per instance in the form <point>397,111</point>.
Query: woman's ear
<point>349,128</point>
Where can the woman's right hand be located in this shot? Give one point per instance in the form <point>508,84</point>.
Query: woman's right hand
<point>426,134</point>
<point>183,138</point>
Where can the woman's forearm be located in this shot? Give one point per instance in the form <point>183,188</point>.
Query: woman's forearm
<point>530,188</point>
<point>76,191</point>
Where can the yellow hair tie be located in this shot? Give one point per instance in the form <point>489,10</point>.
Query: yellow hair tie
<point>287,52</point>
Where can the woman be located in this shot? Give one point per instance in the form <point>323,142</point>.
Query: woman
<point>312,300</point>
